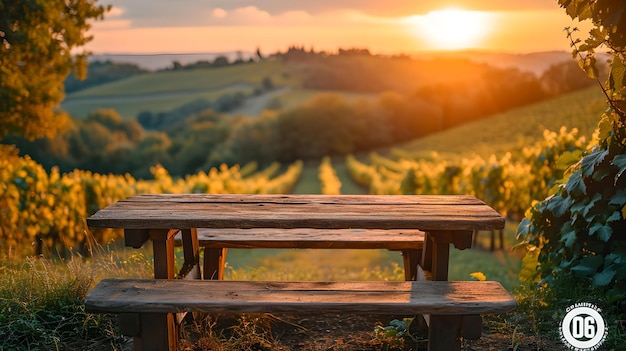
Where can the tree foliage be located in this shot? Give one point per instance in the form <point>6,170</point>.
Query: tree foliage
<point>579,231</point>
<point>37,43</point>
<point>102,72</point>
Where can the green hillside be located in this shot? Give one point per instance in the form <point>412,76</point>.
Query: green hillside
<point>298,77</point>
<point>516,128</point>
<point>189,80</point>
<point>505,132</point>
<point>166,90</point>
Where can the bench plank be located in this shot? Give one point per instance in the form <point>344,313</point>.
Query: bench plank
<point>216,242</point>
<point>210,296</point>
<point>309,238</point>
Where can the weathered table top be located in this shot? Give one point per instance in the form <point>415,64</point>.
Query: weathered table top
<point>184,211</point>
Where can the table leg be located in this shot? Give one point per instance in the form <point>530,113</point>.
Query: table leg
<point>159,330</point>
<point>441,255</point>
<point>163,249</point>
<point>436,254</point>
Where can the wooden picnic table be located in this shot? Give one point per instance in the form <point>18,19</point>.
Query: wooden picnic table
<point>446,219</point>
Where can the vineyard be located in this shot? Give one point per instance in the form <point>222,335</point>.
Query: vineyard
<point>49,208</point>
<point>509,183</point>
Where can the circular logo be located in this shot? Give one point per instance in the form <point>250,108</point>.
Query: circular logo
<point>583,328</point>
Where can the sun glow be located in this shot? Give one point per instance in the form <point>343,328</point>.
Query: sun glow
<point>452,29</point>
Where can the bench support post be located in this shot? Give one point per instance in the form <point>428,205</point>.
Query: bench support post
<point>214,260</point>
<point>191,252</point>
<point>444,333</point>
<point>155,334</point>
<point>411,260</point>
<point>427,253</point>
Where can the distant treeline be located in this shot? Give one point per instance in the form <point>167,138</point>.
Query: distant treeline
<point>351,70</point>
<point>101,72</point>
<point>196,137</point>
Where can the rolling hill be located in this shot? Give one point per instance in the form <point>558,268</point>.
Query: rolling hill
<point>498,134</point>
<point>516,128</point>
<point>299,74</point>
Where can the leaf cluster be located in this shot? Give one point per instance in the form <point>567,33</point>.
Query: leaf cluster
<point>579,229</point>
<point>393,335</point>
<point>37,43</point>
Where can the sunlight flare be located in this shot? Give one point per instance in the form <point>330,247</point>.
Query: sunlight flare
<point>451,29</point>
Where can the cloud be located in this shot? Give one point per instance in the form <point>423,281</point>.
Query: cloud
<point>188,13</point>
<point>219,13</point>
<point>389,8</point>
<point>114,20</point>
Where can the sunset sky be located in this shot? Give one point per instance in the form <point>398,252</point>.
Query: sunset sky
<point>387,27</point>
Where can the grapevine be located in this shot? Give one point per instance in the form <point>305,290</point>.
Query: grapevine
<point>48,209</point>
<point>331,185</point>
<point>508,183</point>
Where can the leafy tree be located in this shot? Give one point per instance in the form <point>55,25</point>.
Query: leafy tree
<point>564,77</point>
<point>151,150</point>
<point>579,231</point>
<point>129,129</point>
<point>37,40</point>
<point>221,61</point>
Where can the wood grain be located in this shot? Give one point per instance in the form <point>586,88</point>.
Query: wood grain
<point>172,296</point>
<point>310,238</point>
<point>184,211</point>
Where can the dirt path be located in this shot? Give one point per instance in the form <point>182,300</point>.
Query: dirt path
<point>253,106</point>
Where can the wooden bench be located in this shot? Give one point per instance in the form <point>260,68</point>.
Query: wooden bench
<point>216,242</point>
<point>455,308</point>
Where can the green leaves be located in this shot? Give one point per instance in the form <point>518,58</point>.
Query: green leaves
<point>616,75</point>
<point>581,9</point>
<point>603,278</point>
<point>603,232</point>
<point>559,205</point>
<point>580,228</point>
<point>590,161</point>
<point>568,235</point>
<point>619,198</point>
<point>588,65</point>
<point>575,184</point>
<point>588,266</point>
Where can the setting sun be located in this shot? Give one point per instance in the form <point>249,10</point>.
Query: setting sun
<point>452,29</point>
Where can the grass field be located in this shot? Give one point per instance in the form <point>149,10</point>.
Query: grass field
<point>514,129</point>
<point>131,105</point>
<point>190,80</point>
<point>166,90</point>
<point>295,97</point>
